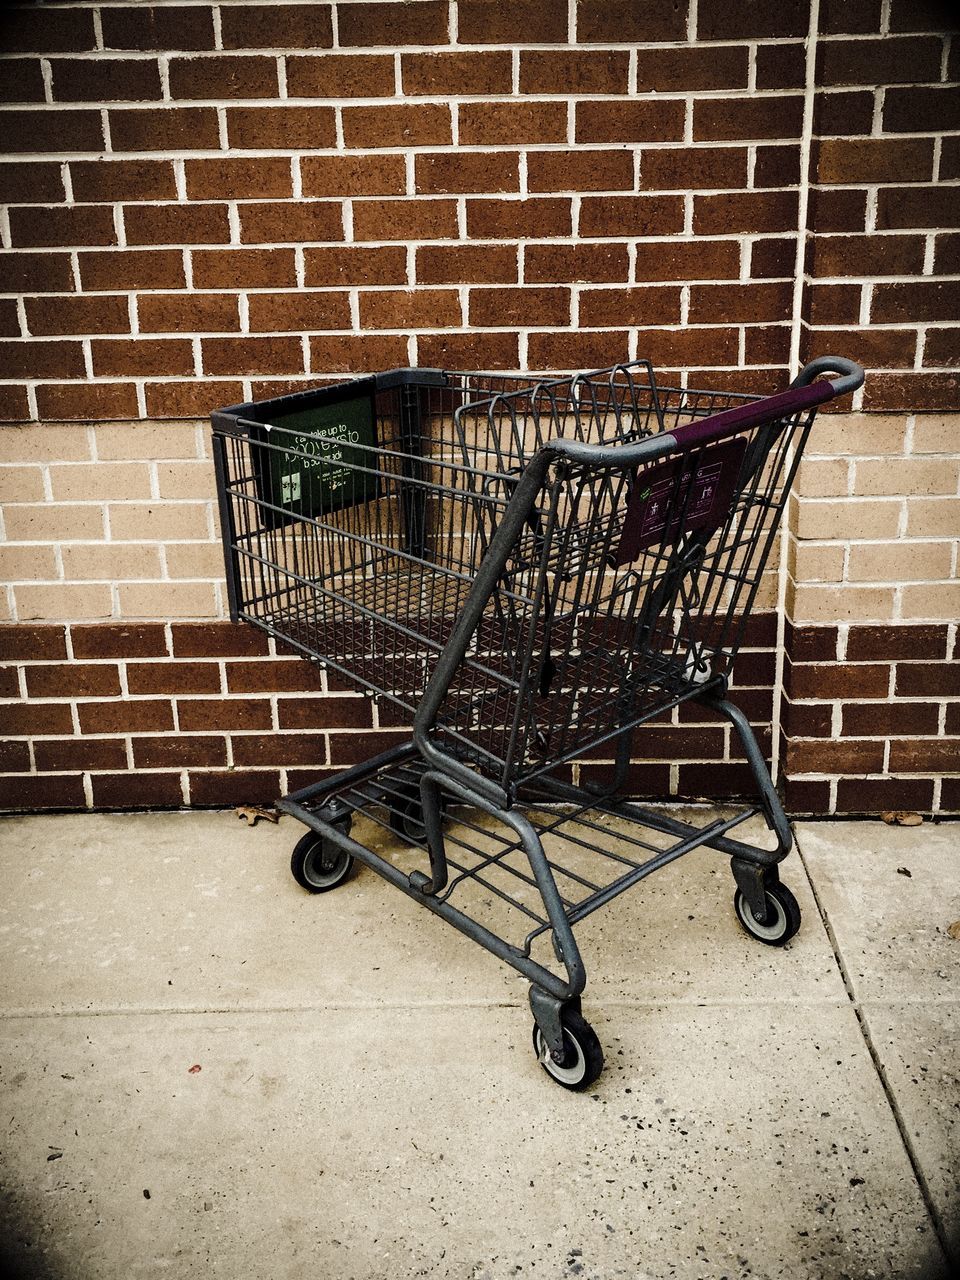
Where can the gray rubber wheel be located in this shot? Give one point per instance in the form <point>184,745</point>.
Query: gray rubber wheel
<point>783,912</point>
<point>584,1057</point>
<point>314,872</point>
<point>406,812</point>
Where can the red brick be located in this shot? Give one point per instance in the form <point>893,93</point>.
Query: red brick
<point>287,128</point>
<point>919,300</point>
<point>403,125</point>
<point>625,306</point>
<point>70,227</point>
<point>623,20</point>
<point>918,15</point>
<point>132,269</point>
<point>392,25</point>
<point>135,358</point>
<point>685,70</point>
<point>580,170</point>
<point>842,114</point>
<point>220,788</point>
<point>512,22</point>
<point>629,122</point>
<point>342,176</point>
<point>356,354</point>
<point>178,751</point>
<point>573,71</point>
<point>173,677</point>
<point>255,268</point>
<point>455,74</point>
<point>55,315</point>
<point>87,400</point>
<point>188,312</point>
<point>804,796</point>
<point>38,272</point>
<point>123,180</point>
<point>236,177</point>
<point>833,304</point>
<point>751,20</point>
<point>157,27</point>
<point>777,166</point>
<point>518,219</point>
<point>867,255</point>
<point>23,642</point>
<point>13,404</point>
<point>715,781</point>
<point>570,263</point>
<point>223,77</point>
<point>325,713</point>
<point>164,129</point>
<point>294,221</point>
<point>576,350</point>
<point>9,318</point>
<point>875,795</point>
<point>269,26</point>
<point>848,756</point>
<point>143,715</point>
<point>811,644</point>
<point>842,160</point>
<point>105,80</point>
<point>849,17</point>
<point>631,215</point>
<point>779,66</point>
<point>506,124</point>
<point>468,350</point>
<point>739,303</point>
<point>298,312</point>
<point>942,348</point>
<point>467,264</point>
<point>767,344</point>
<point>23,81</point>
<point>884,60</point>
<point>226,713</point>
<point>809,720</point>
<point>356,266</point>
<point>421,219</point>
<point>929,392</point>
<point>25,183</point>
<point>693,168</point>
<point>119,640</point>
<point>189,399</point>
<point>766,116</point>
<point>37,791</point>
<point>497,307</point>
<point>45,359</point>
<point>686,260</point>
<point>65,755</point>
<point>14,757</point>
<point>60,131</point>
<point>458,172</point>
<point>931,679</point>
<point>847,680</point>
<point>342,76</point>
<point>950,151</point>
<point>73,680</point>
<point>34,30</point>
<point>872,348</point>
<point>886,719</point>
<point>869,643</point>
<point>280,748</point>
<point>240,356</point>
<point>176,224</point>
<point>272,676</point>
<point>745,211</point>
<point>137,791</point>
<point>410,309</point>
<point>833,210</point>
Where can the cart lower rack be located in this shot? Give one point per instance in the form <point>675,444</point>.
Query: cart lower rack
<point>530,570</point>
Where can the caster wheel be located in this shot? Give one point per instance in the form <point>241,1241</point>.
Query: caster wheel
<point>584,1054</point>
<point>406,812</point>
<point>783,912</point>
<point>315,872</point>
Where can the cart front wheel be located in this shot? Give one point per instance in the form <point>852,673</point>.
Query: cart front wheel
<point>783,916</point>
<point>317,864</point>
<point>584,1056</point>
<point>406,812</point>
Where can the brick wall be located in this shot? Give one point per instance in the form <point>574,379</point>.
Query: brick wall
<point>209,202</point>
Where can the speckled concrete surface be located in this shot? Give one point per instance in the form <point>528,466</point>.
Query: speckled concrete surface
<point>367,1103</point>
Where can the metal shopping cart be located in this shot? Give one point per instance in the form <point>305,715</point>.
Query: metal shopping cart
<point>528,571</point>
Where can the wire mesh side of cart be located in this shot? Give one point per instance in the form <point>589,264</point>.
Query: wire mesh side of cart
<point>580,637</point>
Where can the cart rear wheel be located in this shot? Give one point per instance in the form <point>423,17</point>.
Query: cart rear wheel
<point>584,1056</point>
<point>782,911</point>
<point>317,864</point>
<point>406,812</point>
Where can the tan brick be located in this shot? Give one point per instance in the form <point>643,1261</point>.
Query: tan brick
<point>21,484</point>
<point>822,479</point>
<point>51,522</point>
<point>35,443</point>
<point>195,560</point>
<point>168,600</point>
<point>854,519</point>
<point>27,564</point>
<point>910,477</point>
<point>100,480</point>
<point>159,521</point>
<point>933,517</point>
<point>111,562</point>
<point>858,434</point>
<point>816,563</point>
<point>123,442</point>
<point>900,562</point>
<point>65,601</point>
<point>844,603</point>
<point>186,480</point>
<point>931,600</point>
<point>936,434</point>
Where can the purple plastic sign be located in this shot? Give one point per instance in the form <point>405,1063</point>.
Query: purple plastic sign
<point>692,491</point>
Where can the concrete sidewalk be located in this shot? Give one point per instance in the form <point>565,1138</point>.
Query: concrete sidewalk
<point>206,1071</point>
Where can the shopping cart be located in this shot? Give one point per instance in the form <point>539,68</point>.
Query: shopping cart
<point>528,571</point>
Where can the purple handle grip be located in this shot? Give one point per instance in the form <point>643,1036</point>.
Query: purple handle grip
<point>729,421</point>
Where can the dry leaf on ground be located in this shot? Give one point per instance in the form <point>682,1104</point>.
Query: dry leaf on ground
<point>252,812</point>
<point>901,818</point>
<point>953,931</point>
